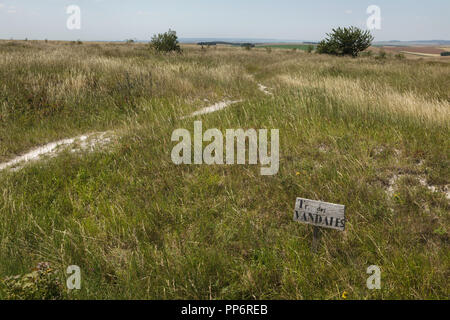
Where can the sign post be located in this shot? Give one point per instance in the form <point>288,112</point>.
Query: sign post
<point>316,239</point>
<point>319,214</point>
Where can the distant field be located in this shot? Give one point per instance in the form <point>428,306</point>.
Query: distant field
<point>414,52</point>
<point>424,49</point>
<point>422,54</point>
<point>285,46</point>
<point>371,134</point>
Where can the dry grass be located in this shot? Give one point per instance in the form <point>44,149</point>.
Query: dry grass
<point>142,228</point>
<point>369,96</point>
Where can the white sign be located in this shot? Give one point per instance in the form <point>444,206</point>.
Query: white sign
<point>320,214</point>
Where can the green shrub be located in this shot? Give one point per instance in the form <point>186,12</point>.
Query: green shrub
<point>166,42</point>
<point>400,56</point>
<point>327,47</point>
<point>346,41</point>
<point>367,53</point>
<point>381,55</point>
<point>310,48</point>
<point>445,53</point>
<point>41,284</point>
<point>247,46</point>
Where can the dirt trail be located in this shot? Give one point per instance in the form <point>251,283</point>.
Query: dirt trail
<point>215,107</point>
<point>86,142</point>
<point>264,89</point>
<point>423,182</point>
<point>90,141</point>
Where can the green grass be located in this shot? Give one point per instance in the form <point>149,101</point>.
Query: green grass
<point>141,227</point>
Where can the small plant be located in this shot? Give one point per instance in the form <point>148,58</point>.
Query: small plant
<point>268,49</point>
<point>166,42</point>
<point>247,46</point>
<point>310,48</point>
<point>41,284</point>
<point>441,231</point>
<point>382,55</point>
<point>400,56</point>
<point>367,53</point>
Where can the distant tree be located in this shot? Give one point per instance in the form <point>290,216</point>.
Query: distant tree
<point>445,54</point>
<point>166,42</point>
<point>346,41</point>
<point>247,46</point>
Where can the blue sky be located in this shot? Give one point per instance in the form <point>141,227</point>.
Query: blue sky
<point>268,19</point>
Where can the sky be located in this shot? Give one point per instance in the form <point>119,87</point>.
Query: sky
<point>252,19</point>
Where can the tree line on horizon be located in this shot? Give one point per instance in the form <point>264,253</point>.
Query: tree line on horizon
<point>340,42</point>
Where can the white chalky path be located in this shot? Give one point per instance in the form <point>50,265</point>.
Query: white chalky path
<point>80,143</point>
<point>90,141</point>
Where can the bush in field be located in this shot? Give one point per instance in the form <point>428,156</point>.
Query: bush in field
<point>166,42</point>
<point>400,56</point>
<point>367,53</point>
<point>41,284</point>
<point>346,41</point>
<point>381,55</point>
<point>445,54</point>
<point>310,48</point>
<point>326,47</point>
<point>247,46</point>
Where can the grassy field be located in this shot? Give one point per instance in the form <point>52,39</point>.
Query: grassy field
<point>372,134</point>
<point>286,46</point>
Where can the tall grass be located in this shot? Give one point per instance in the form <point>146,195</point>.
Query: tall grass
<point>142,228</point>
